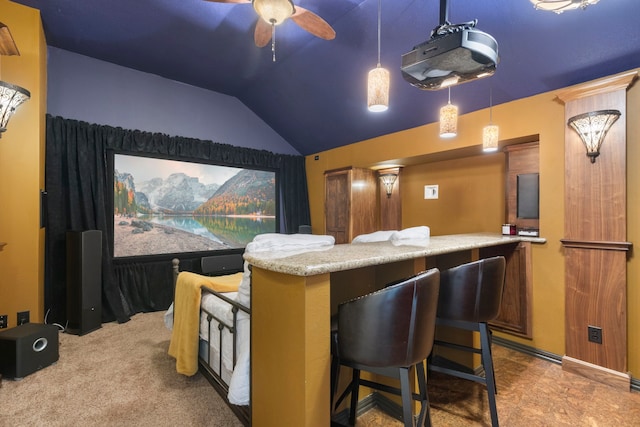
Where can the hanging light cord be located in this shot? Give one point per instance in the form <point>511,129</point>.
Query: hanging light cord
<point>490,105</point>
<point>273,40</point>
<point>449,101</point>
<point>379,13</point>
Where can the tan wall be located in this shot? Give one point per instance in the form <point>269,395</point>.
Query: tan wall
<point>22,169</point>
<point>472,195</point>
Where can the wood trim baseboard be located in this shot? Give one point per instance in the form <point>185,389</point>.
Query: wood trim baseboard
<point>593,244</point>
<point>555,358</point>
<point>615,379</point>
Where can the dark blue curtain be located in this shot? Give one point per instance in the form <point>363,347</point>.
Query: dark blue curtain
<point>79,190</point>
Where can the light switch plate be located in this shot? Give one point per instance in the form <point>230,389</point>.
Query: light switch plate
<point>430,191</point>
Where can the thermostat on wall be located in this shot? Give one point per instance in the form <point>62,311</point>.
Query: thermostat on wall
<point>430,191</point>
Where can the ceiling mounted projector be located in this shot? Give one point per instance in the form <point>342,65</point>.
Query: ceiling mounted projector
<point>453,55</point>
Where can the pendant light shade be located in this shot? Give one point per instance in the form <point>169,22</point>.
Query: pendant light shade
<point>490,133</point>
<point>275,12</point>
<point>559,6</point>
<point>448,120</point>
<point>378,89</point>
<point>378,81</point>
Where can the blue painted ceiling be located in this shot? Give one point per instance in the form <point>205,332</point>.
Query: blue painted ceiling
<point>314,95</point>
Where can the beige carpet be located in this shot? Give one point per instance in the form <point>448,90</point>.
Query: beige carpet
<point>119,375</point>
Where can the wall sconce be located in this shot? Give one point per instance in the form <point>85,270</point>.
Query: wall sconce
<point>592,128</point>
<point>388,180</point>
<point>11,96</point>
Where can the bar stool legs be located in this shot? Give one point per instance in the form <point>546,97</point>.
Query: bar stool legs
<point>390,333</point>
<point>404,375</point>
<point>470,296</point>
<point>487,362</point>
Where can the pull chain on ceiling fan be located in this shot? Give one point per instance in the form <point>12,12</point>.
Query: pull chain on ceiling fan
<point>275,12</point>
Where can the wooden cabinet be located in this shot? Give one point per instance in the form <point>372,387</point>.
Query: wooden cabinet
<point>350,203</point>
<point>515,309</point>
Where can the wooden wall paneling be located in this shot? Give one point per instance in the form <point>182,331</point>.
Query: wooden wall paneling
<point>595,246</point>
<point>515,310</point>
<point>364,192</point>
<point>350,203</point>
<point>337,205</point>
<point>596,295</point>
<point>596,192</point>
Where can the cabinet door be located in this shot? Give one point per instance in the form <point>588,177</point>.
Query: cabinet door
<point>515,309</point>
<point>337,206</point>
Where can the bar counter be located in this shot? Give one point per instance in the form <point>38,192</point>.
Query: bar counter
<point>292,299</point>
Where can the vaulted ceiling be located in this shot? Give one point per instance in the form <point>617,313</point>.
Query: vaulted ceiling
<point>314,95</point>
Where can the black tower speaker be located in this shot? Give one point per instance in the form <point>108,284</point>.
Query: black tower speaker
<point>27,348</point>
<point>84,281</point>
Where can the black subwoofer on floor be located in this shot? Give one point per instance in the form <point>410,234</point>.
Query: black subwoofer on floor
<point>27,348</point>
<point>84,281</point>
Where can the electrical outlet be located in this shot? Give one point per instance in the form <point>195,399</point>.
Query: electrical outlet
<point>4,319</point>
<point>23,317</point>
<point>595,334</point>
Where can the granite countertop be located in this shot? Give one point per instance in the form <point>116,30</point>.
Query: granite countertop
<point>350,256</point>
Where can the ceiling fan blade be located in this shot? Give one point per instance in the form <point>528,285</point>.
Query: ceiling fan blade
<point>312,23</point>
<point>263,33</point>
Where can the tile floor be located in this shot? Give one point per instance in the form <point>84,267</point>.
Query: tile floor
<point>532,392</point>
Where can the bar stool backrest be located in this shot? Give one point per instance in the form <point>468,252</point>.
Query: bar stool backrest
<point>472,292</point>
<point>391,327</point>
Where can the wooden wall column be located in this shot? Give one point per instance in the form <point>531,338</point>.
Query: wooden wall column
<point>390,206</point>
<point>595,246</point>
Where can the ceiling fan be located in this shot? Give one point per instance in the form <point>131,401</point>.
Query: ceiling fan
<point>274,12</point>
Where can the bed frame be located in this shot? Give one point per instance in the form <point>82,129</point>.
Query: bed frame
<point>213,266</point>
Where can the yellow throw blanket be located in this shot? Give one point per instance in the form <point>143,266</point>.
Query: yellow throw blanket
<point>186,315</point>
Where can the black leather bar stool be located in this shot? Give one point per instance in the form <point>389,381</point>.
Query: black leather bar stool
<point>470,296</point>
<point>388,332</point>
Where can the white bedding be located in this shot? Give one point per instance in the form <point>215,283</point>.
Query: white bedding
<point>219,309</point>
<point>276,245</point>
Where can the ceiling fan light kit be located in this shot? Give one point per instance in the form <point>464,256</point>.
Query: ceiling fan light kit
<point>274,12</point>
<point>559,6</point>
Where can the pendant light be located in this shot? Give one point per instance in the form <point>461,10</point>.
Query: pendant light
<point>490,133</point>
<point>448,119</point>
<point>378,81</point>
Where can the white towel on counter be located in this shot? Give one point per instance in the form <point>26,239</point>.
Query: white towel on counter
<point>376,236</point>
<point>289,242</point>
<point>412,233</point>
